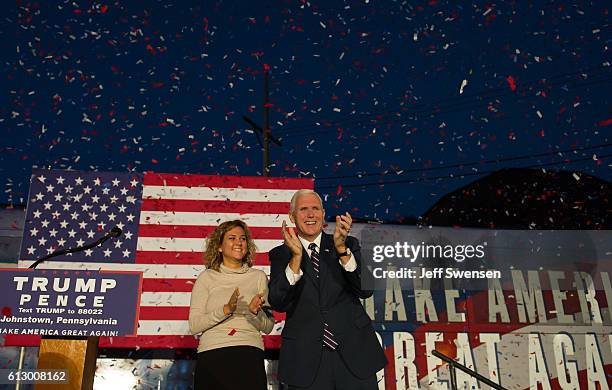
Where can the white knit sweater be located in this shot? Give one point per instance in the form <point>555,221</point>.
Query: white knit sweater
<point>211,292</point>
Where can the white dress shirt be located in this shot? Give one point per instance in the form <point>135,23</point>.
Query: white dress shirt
<point>293,278</point>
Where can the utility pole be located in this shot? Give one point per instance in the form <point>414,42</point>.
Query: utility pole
<point>266,132</point>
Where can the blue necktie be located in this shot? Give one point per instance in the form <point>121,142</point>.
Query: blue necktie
<point>328,336</point>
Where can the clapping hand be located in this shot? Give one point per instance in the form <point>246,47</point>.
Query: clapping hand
<point>230,306</point>
<point>292,240</point>
<point>256,303</point>
<point>295,246</point>
<point>343,227</point>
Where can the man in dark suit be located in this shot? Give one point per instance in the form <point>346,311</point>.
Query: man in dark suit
<point>328,339</point>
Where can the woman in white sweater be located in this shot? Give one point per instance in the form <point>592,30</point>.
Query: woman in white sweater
<point>229,307</point>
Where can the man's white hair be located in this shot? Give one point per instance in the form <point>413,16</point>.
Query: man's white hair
<point>299,193</point>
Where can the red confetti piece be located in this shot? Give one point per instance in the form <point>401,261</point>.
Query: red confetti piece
<point>607,122</point>
<point>511,83</point>
<point>103,8</point>
<point>232,332</point>
<point>339,190</point>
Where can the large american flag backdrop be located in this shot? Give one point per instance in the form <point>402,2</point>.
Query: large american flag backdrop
<point>165,219</point>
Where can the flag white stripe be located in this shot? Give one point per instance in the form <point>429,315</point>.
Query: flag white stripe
<point>163,271</point>
<point>216,193</point>
<point>163,328</point>
<point>211,219</point>
<point>177,328</point>
<point>165,299</point>
<point>171,244</point>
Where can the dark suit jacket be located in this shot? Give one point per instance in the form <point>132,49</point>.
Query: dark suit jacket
<point>333,298</point>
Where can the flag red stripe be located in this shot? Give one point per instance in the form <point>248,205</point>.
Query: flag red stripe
<point>172,342</point>
<point>180,313</point>
<point>11,340</point>
<point>251,182</point>
<point>279,316</point>
<point>167,285</point>
<point>188,258</point>
<point>270,342</point>
<point>164,313</point>
<point>212,206</point>
<point>194,231</point>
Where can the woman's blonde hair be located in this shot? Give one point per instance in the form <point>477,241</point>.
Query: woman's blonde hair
<point>213,258</point>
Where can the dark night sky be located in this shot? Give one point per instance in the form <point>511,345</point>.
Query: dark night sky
<point>388,104</point>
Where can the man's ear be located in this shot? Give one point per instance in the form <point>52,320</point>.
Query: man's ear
<point>291,218</point>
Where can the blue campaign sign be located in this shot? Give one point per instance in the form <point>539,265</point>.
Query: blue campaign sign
<point>69,302</point>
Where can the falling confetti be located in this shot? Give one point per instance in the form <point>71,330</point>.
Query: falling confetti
<point>362,97</point>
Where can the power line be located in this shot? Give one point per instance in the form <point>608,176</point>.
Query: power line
<point>450,109</point>
<point>442,106</point>
<point>481,94</point>
<point>445,109</point>
<point>457,176</point>
<point>467,164</point>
